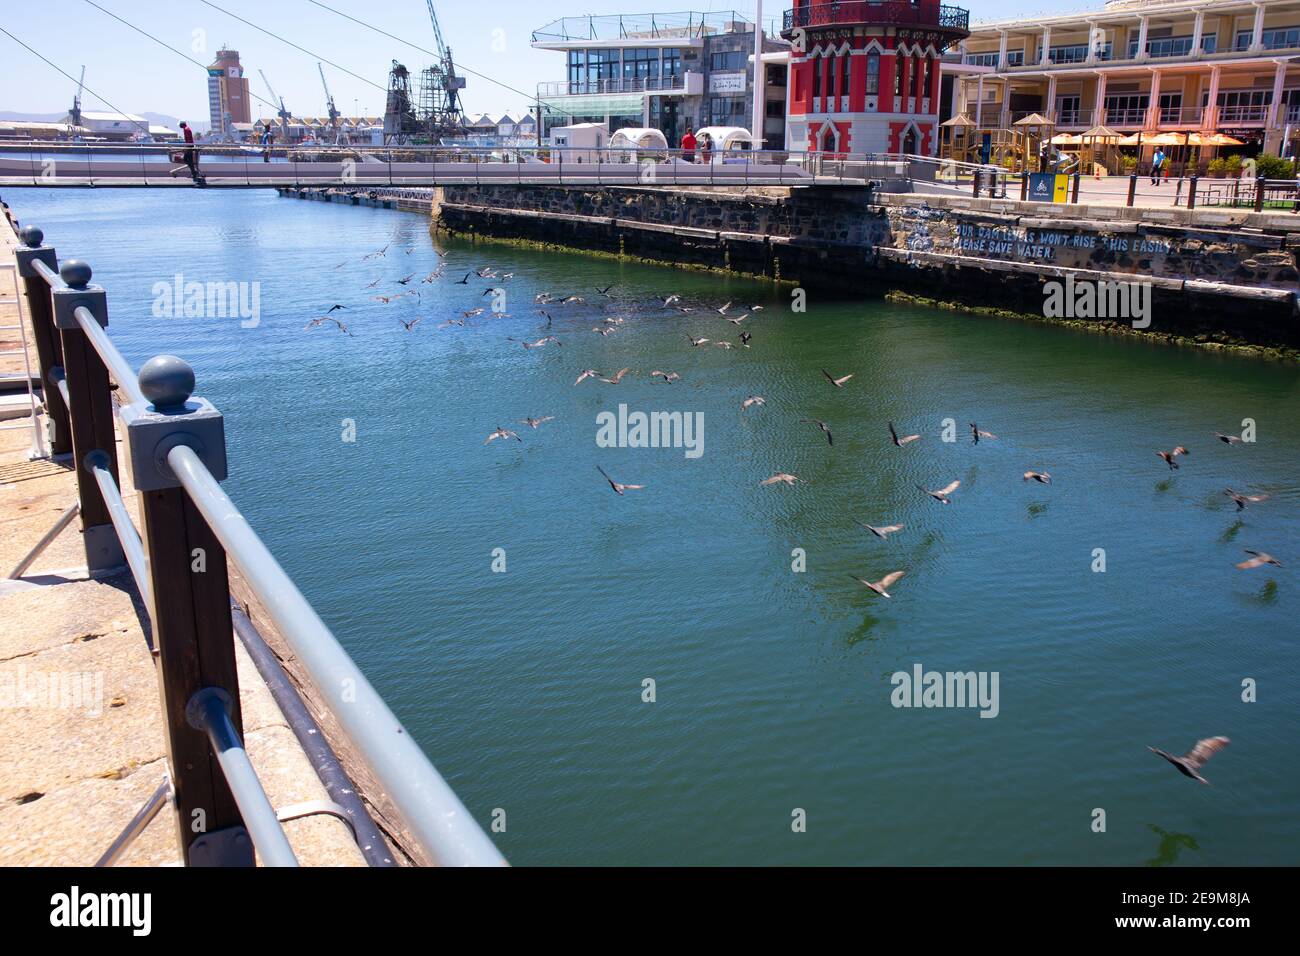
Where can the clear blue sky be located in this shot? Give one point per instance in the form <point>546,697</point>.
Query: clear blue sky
<point>135,74</point>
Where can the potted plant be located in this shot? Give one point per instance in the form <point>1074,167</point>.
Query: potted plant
<point>1218,168</point>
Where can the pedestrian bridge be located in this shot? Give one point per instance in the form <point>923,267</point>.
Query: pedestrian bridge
<point>254,167</point>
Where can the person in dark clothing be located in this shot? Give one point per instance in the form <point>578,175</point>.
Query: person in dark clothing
<point>191,154</point>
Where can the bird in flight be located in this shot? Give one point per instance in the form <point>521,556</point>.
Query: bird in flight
<point>723,345</point>
<point>1042,477</point>
<point>737,319</point>
<point>900,442</point>
<point>605,291</point>
<point>669,300</point>
<point>406,280</point>
<point>385,298</point>
<point>373,284</point>
<point>376,255</point>
<point>603,329</point>
<point>464,281</point>
<point>884,531</point>
<point>781,477</point>
<point>744,339</point>
<point>880,587</point>
<point>942,494</point>
<point>618,487</point>
<point>412,324</point>
<point>316,323</point>
<point>334,307</point>
<point>976,434</point>
<point>723,310</point>
<point>1260,559</point>
<point>587,373</point>
<point>617,377</point>
<point>696,342</point>
<point>1169,456</point>
<point>451,322</point>
<point>822,425</point>
<point>1194,760</point>
<point>837,382</point>
<point>536,422</point>
<point>501,433</point>
<point>539,343</point>
<point>669,377</point>
<point>435,274</point>
<point>752,400</point>
<point>1227,439</point>
<point>471,313</point>
<point>1242,500</point>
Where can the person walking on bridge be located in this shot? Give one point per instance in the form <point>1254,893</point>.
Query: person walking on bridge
<point>191,154</point>
<point>688,145</point>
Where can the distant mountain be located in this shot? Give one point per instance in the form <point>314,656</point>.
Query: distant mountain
<point>158,119</point>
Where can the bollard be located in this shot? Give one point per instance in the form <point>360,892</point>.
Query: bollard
<point>190,581</point>
<point>1259,194</point>
<point>1132,189</point>
<point>975,178</point>
<point>1024,185</point>
<point>1074,194</point>
<point>1191,192</point>
<point>90,409</point>
<point>49,349</point>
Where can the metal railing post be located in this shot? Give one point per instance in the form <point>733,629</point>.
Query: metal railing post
<point>190,585</point>
<point>1191,193</point>
<point>49,348</point>
<point>1132,189</point>
<point>90,409</point>
<point>1259,194</point>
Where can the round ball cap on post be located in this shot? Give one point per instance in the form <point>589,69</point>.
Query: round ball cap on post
<point>167,381</point>
<point>31,236</point>
<point>75,273</point>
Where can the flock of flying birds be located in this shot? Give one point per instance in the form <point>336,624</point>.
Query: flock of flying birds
<point>1188,764</point>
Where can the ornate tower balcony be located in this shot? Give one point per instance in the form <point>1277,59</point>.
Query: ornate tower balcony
<point>949,23</point>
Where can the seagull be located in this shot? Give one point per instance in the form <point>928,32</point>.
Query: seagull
<point>736,320</point>
<point>976,434</point>
<point>696,342</point>
<point>605,291</point>
<point>755,308</point>
<point>882,532</point>
<point>671,299</point>
<point>781,476</point>
<point>1260,559</point>
<point>314,323</point>
<point>1042,477</point>
<point>618,487</point>
<point>435,274</point>
<point>385,298</point>
<point>412,324</point>
<point>823,426</point>
<point>471,313</point>
<point>900,442</point>
<point>373,284</point>
<point>618,377</point>
<point>1195,759</point>
<point>464,281</point>
<point>451,322</point>
<point>548,317</point>
<point>536,422</point>
<point>744,339</point>
<point>588,373</point>
<point>837,382</point>
<point>1242,500</point>
<point>375,255</point>
<point>752,400</point>
<point>723,345</point>
<point>603,330</point>
<point>1227,439</point>
<point>880,586</point>
<point>540,342</point>
<point>1169,456</point>
<point>502,433</point>
<point>542,298</point>
<point>572,298</point>
<point>334,307</point>
<point>942,494</point>
<point>669,377</point>
<point>723,310</point>
<point>406,280</point>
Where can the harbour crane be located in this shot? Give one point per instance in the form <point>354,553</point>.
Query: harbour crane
<point>444,111</point>
<point>329,105</point>
<point>283,113</point>
<point>74,114</point>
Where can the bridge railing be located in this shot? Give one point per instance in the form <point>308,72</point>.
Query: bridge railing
<point>174,445</point>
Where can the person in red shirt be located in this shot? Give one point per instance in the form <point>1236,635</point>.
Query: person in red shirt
<point>688,145</point>
<point>191,154</point>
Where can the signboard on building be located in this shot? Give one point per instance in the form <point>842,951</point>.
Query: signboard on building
<point>727,82</point>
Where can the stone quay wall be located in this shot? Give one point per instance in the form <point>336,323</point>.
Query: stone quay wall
<point>1217,276</point>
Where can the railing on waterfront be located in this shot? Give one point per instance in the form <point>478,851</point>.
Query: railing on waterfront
<point>175,446</point>
<point>613,84</point>
<point>687,25</point>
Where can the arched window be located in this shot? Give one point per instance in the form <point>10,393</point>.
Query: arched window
<point>873,73</point>
<point>900,63</point>
<point>846,73</point>
<point>818,69</point>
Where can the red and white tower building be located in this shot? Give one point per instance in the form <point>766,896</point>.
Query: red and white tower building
<point>865,76</point>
